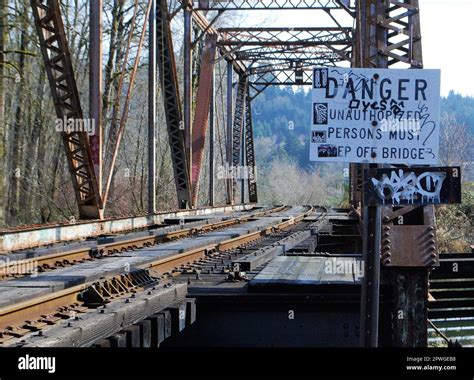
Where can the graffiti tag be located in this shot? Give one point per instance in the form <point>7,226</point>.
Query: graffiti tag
<point>407,187</point>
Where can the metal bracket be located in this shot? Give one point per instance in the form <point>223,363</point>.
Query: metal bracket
<point>409,246</point>
<point>101,292</point>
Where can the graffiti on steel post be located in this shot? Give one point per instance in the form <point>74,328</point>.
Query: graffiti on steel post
<point>407,185</point>
<point>412,186</point>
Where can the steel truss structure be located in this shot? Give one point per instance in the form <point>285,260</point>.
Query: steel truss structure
<point>172,104</point>
<point>232,5</point>
<point>262,57</point>
<point>382,34</point>
<point>57,62</point>
<point>388,33</point>
<point>285,36</point>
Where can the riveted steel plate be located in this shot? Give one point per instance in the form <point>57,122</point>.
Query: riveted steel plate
<point>409,246</point>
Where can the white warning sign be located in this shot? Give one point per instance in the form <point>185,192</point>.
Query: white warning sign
<point>375,116</point>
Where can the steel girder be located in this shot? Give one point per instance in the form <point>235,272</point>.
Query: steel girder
<point>58,65</point>
<point>239,113</point>
<point>393,35</point>
<point>282,77</point>
<point>273,55</point>
<point>208,5</point>
<point>284,54</point>
<point>285,36</point>
<point>201,116</point>
<point>280,66</point>
<point>388,34</point>
<point>172,105</point>
<point>250,150</point>
<point>238,125</point>
<point>401,23</point>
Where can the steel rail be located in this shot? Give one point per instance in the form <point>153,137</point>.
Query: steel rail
<point>9,269</point>
<point>33,314</point>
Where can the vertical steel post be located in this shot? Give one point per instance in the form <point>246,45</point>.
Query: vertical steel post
<point>249,151</point>
<point>166,63</point>
<point>379,46</point>
<point>370,305</point>
<point>370,37</point>
<point>212,139</point>
<point>152,110</point>
<point>243,164</point>
<point>229,123</point>
<point>95,86</point>
<point>187,81</point>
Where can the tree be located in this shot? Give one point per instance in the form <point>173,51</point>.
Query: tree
<point>455,146</point>
<point>3,40</point>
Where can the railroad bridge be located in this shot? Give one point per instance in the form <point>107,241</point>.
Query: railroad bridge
<point>231,274</point>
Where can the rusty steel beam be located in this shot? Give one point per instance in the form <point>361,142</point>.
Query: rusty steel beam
<point>280,78</point>
<point>212,140</point>
<point>187,81</point>
<point>226,52</point>
<point>372,37</point>
<point>237,127</point>
<point>201,116</point>
<point>250,151</point>
<point>229,112</point>
<point>228,5</point>
<point>172,104</point>
<point>58,65</point>
<point>389,33</point>
<point>152,109</point>
<point>285,36</point>
<point>95,86</point>
<point>320,55</point>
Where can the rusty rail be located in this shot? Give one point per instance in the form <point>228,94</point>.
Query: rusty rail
<point>32,315</point>
<point>71,257</point>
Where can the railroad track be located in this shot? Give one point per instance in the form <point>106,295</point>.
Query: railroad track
<point>34,314</point>
<point>18,268</point>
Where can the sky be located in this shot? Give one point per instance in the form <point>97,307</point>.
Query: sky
<point>447,37</point>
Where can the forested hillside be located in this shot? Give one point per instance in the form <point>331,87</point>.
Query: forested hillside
<point>283,116</point>
<point>282,128</point>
